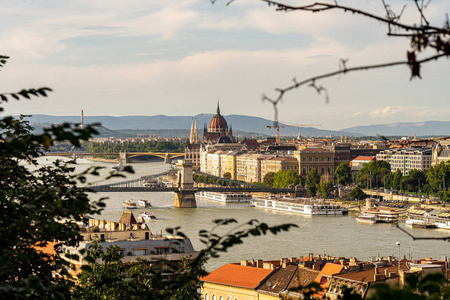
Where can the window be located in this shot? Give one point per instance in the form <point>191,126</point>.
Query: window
<point>206,297</point>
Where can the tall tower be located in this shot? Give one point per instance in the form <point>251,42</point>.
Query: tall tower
<point>193,138</point>
<point>82,120</point>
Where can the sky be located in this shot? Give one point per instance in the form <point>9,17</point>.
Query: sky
<point>179,58</point>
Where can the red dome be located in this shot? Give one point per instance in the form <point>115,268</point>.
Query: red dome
<point>218,124</point>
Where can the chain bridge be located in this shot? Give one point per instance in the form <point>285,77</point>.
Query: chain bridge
<point>185,187</point>
<point>122,157</point>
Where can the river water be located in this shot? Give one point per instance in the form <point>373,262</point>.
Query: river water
<point>332,235</point>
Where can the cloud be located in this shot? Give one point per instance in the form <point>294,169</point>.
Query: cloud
<point>381,113</point>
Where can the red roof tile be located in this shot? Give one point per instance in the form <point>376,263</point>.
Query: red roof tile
<point>236,275</point>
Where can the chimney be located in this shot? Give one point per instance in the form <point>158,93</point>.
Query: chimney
<point>268,266</point>
<point>386,272</point>
<point>259,263</point>
<point>244,262</point>
<point>311,257</point>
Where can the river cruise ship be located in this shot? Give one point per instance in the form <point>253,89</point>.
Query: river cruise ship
<point>306,206</point>
<point>225,197</point>
<point>427,218</point>
<point>383,214</point>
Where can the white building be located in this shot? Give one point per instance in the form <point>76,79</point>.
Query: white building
<point>407,159</point>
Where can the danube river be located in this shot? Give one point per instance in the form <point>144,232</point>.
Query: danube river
<point>337,236</point>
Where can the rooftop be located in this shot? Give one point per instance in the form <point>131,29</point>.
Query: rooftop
<point>237,275</point>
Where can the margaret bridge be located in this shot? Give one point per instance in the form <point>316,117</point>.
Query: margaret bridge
<point>122,157</point>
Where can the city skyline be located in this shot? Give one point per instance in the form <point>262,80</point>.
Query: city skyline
<point>179,59</point>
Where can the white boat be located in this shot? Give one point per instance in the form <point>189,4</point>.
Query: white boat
<point>144,203</point>
<point>426,218</point>
<point>366,219</point>
<point>129,204</point>
<point>304,206</point>
<point>146,216</point>
<point>225,197</point>
<point>383,214</point>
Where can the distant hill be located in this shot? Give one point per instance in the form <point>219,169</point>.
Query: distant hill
<point>241,125</point>
<point>426,128</point>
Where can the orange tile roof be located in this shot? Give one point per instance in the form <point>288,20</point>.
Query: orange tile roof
<point>368,275</point>
<point>365,158</point>
<point>237,275</point>
<point>325,275</point>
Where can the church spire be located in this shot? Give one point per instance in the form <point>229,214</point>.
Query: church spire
<point>218,109</point>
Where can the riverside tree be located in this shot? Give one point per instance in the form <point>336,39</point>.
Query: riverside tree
<point>343,174</point>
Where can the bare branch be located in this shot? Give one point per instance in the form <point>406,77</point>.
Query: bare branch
<point>311,80</point>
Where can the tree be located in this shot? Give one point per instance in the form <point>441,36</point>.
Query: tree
<point>282,179</point>
<point>149,280</point>
<point>268,179</point>
<point>412,180</point>
<point>358,193</point>
<point>373,173</point>
<point>325,189</point>
<point>227,175</point>
<point>343,174</point>
<point>312,182</point>
<point>397,180</point>
<point>438,176</point>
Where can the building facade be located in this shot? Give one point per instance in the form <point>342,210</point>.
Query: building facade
<point>318,159</point>
<point>407,159</point>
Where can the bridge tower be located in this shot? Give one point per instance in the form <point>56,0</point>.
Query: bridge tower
<point>185,196</point>
<point>123,159</point>
<point>167,158</point>
<point>74,157</point>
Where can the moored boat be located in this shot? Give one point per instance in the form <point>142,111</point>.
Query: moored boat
<point>225,197</point>
<point>129,204</point>
<point>144,203</point>
<point>428,218</point>
<point>304,206</point>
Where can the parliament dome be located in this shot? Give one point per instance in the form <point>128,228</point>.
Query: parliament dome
<point>218,123</point>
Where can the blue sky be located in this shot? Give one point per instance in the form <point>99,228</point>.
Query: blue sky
<point>179,57</point>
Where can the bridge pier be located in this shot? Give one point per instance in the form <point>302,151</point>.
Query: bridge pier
<point>167,159</point>
<point>74,157</point>
<point>185,196</point>
<point>123,158</point>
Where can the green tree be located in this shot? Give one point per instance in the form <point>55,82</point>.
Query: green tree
<point>283,179</point>
<point>438,176</point>
<point>325,189</point>
<point>343,174</point>
<point>312,182</point>
<point>227,175</point>
<point>358,193</point>
<point>411,181</point>
<point>268,179</point>
<point>373,173</point>
<point>397,180</point>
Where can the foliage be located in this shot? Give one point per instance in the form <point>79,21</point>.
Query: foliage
<point>283,179</point>
<point>438,176</point>
<point>412,180</point>
<point>38,207</point>
<point>268,179</point>
<point>148,280</point>
<point>373,174</point>
<point>430,286</point>
<point>397,180</point>
<point>312,182</point>
<point>343,174</point>
<point>325,189</point>
<point>227,175</point>
<point>358,193</point>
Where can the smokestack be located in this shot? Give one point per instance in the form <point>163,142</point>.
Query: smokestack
<point>82,121</point>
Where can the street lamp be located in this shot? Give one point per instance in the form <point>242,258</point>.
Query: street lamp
<point>398,244</point>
